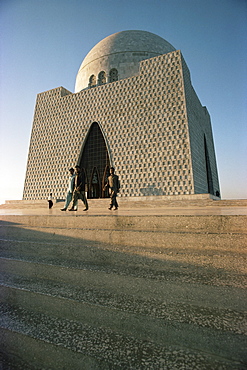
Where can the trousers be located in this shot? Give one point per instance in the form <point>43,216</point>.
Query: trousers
<point>79,195</point>
<point>50,203</point>
<point>113,197</point>
<point>69,199</point>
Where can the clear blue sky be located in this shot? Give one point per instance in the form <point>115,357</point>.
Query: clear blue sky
<point>43,43</point>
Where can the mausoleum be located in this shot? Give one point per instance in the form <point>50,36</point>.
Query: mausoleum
<point>133,108</point>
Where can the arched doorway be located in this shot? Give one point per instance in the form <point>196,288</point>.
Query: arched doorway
<point>95,161</point>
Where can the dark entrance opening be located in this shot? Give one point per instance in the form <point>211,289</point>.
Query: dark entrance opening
<point>95,186</point>
<point>208,169</point>
<point>95,162</point>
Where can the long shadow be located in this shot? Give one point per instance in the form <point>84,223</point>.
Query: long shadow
<point>39,247</point>
<point>48,247</point>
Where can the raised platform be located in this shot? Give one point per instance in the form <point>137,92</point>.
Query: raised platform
<point>155,285</point>
<point>184,197</point>
<point>201,204</point>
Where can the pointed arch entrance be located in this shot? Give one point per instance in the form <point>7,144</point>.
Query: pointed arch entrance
<point>95,162</point>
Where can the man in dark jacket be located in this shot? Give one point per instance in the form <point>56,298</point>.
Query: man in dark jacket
<point>114,185</point>
<point>79,191</point>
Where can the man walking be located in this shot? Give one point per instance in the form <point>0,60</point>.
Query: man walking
<point>70,189</point>
<point>114,185</point>
<point>79,191</point>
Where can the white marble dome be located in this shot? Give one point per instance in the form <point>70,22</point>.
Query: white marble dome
<point>117,56</point>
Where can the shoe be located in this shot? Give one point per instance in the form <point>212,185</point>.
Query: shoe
<point>63,209</point>
<point>110,208</point>
<point>85,209</point>
<point>72,209</point>
<point>115,209</point>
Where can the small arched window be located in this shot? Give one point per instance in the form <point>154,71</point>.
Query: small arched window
<point>101,78</point>
<point>92,81</point>
<point>113,75</point>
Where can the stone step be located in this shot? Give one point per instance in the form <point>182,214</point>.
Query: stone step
<point>139,310</point>
<point>213,263</point>
<point>20,352</point>
<point>106,349</point>
<point>166,297</point>
<point>187,252</point>
<point>173,223</point>
<point>174,281</point>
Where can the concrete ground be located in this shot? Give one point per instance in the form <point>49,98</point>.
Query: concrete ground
<point>155,285</point>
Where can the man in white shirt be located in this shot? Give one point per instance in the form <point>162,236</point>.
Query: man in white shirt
<point>70,189</point>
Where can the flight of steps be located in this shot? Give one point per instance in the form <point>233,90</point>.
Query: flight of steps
<point>123,292</point>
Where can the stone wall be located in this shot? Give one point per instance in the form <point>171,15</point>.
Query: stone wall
<point>144,122</point>
<point>201,140</point>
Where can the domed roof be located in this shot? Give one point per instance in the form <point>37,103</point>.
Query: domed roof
<point>121,51</point>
